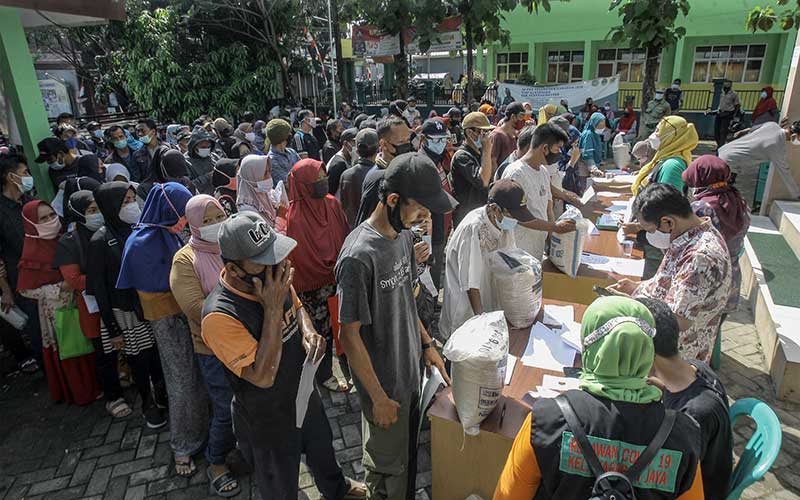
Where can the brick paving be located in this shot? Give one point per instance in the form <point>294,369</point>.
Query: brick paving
<point>60,452</point>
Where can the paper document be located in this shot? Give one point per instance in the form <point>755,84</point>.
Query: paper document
<point>558,315</point>
<point>511,363</point>
<point>546,350</point>
<point>609,194</point>
<point>607,220</point>
<point>592,258</point>
<point>571,334</point>
<point>628,267</point>
<point>587,195</point>
<point>593,231</point>
<point>430,386</point>
<point>618,206</point>
<point>559,384</point>
<point>628,217</point>
<point>620,236</point>
<point>305,388</point>
<point>624,179</point>
<point>427,280</point>
<point>540,392</point>
<point>91,303</point>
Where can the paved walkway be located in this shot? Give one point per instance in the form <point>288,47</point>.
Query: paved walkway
<point>63,452</point>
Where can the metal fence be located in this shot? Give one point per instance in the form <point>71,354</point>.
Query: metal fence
<point>699,100</point>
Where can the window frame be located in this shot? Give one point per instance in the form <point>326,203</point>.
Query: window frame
<point>705,55</point>
<point>619,61</point>
<point>507,64</point>
<point>565,66</point>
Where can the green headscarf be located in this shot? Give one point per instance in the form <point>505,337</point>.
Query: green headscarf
<point>616,364</point>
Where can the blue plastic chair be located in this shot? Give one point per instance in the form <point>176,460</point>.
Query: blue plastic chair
<point>761,450</point>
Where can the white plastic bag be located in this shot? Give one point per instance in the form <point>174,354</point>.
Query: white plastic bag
<point>478,350</point>
<point>621,151</point>
<point>566,249</point>
<point>517,284</point>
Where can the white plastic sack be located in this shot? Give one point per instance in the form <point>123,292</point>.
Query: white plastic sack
<point>621,151</point>
<point>517,284</point>
<point>478,350</point>
<point>566,249</point>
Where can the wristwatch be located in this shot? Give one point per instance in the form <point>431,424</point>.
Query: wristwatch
<point>426,345</point>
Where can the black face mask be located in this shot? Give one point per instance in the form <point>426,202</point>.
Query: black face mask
<point>319,188</point>
<point>551,158</point>
<point>394,217</point>
<point>248,278</point>
<point>400,149</point>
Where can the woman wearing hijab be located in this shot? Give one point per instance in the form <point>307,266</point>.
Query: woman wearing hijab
<point>767,109</point>
<point>146,264</point>
<point>674,140</point>
<point>120,311</point>
<point>70,380</point>
<point>715,198</point>
<point>259,127</point>
<point>169,166</point>
<point>72,257</point>
<point>626,125</point>
<point>224,182</point>
<point>615,404</point>
<point>591,145</point>
<point>317,222</point>
<point>90,166</point>
<point>608,112</point>
<point>254,187</point>
<point>73,185</point>
<point>117,172</point>
<point>546,112</point>
<point>195,272</point>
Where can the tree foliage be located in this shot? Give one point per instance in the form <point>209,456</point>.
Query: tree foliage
<point>764,18</point>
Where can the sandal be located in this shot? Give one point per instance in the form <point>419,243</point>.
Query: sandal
<point>216,485</point>
<point>118,408</point>
<point>334,385</point>
<point>185,462</point>
<point>29,366</point>
<point>357,491</point>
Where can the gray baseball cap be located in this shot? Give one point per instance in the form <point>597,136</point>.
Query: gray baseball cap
<point>247,236</point>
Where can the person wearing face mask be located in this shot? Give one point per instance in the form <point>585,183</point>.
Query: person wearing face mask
<point>304,141</point>
<point>282,157</point>
<point>504,137</point>
<point>69,134</point>
<point>694,278</point>
<point>352,180</point>
<point>317,222</point>
<point>16,182</point>
<point>468,284</point>
<point>72,261</point>
<point>453,118</point>
<point>260,137</point>
<point>561,195</point>
<point>254,186</point>
<point>224,131</point>
<point>674,139</point>
<point>146,264</point>
<point>393,139</point>
<point>767,109</point>
<point>120,310</point>
<point>70,380</point>
<point>54,152</point>
<point>674,96</point>
<point>246,136</point>
<point>729,105</point>
<point>122,153</point>
<point>224,181</point>
<point>341,160</point>
<point>592,149</point>
<point>333,130</point>
<point>200,159</point>
<point>148,135</point>
<point>195,272</point>
<point>98,139</point>
<point>381,332</point>
<point>411,112</point>
<point>654,112</point>
<point>531,173</point>
<point>626,125</point>
<point>471,168</point>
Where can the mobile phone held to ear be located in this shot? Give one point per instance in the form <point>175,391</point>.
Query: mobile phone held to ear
<point>602,292</point>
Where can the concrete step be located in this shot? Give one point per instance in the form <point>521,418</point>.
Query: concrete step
<point>786,217</point>
<point>776,324</point>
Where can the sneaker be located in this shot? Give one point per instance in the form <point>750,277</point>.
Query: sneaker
<point>154,417</point>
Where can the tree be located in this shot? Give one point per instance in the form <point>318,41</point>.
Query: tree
<point>337,47</point>
<point>649,25</point>
<point>763,18</point>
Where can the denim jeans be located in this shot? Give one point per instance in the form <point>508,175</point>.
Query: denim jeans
<point>220,435</point>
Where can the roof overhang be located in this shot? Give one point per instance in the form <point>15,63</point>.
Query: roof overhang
<point>38,13</point>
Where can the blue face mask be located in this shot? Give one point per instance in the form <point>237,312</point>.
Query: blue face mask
<point>98,133</point>
<point>478,142</point>
<point>71,143</point>
<point>507,223</point>
<point>763,95</point>
<point>436,146</point>
<point>55,166</point>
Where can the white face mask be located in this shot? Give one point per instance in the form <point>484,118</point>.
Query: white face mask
<point>599,131</point>
<point>264,186</point>
<point>130,213</point>
<point>796,140</point>
<point>210,232</point>
<point>659,239</point>
<point>250,136</point>
<point>203,152</point>
<point>655,142</point>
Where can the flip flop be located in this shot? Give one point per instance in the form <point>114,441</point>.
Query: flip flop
<point>355,485</point>
<point>185,462</point>
<point>334,385</point>
<point>216,484</point>
<point>118,408</point>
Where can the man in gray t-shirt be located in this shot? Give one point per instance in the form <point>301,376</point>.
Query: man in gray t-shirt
<point>381,333</point>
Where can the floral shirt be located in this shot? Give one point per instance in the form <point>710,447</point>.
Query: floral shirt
<point>694,280</point>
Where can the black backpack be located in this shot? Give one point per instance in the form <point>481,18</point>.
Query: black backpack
<point>614,485</point>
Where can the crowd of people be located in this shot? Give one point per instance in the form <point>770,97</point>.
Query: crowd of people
<point>211,259</point>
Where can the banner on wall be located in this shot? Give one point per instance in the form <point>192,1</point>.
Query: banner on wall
<point>55,97</point>
<point>601,89</point>
<point>372,41</point>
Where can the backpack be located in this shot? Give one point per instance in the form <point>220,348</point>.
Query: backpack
<point>614,485</point>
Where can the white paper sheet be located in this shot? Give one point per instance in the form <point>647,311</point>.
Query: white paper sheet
<point>559,384</point>
<point>618,206</point>
<point>593,231</point>
<point>628,217</point>
<point>546,350</point>
<point>628,267</point>
<point>620,236</point>
<point>305,388</point>
<point>427,280</point>
<point>571,334</point>
<point>587,195</point>
<point>558,315</point>
<point>430,386</point>
<point>624,179</point>
<point>541,392</point>
<point>511,363</point>
<point>91,303</point>
<point>592,258</point>
<point>615,171</point>
<point>609,194</point>
<point>607,220</point>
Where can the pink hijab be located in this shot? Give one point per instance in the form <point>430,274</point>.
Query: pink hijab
<point>207,259</point>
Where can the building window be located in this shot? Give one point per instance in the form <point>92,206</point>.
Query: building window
<point>738,63</point>
<point>510,65</point>
<point>627,63</point>
<point>564,66</point>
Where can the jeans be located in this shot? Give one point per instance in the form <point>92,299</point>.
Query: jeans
<point>220,434</point>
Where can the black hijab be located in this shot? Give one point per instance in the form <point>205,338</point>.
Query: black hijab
<point>224,167</point>
<point>109,198</point>
<point>73,246</point>
<point>87,167</point>
<point>73,185</point>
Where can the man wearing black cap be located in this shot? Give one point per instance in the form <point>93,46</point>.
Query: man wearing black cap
<point>433,143</point>
<point>504,137</point>
<point>380,329</point>
<point>254,323</point>
<point>454,126</point>
<point>54,152</point>
<point>468,285</point>
<point>352,179</point>
<point>341,161</point>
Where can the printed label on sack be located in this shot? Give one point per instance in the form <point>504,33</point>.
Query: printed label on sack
<point>619,456</point>
<point>488,397</point>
